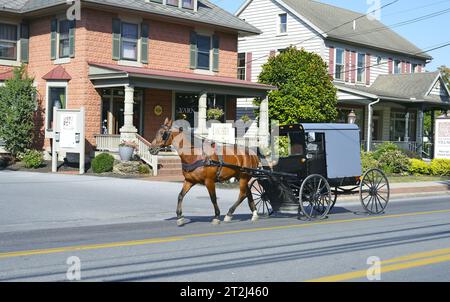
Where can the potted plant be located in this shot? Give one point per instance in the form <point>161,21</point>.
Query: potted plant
<point>126,150</point>
<point>215,114</point>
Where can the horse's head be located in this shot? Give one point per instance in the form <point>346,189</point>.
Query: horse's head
<point>164,137</point>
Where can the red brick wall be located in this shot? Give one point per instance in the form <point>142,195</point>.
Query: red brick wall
<point>168,50</point>
<point>152,122</point>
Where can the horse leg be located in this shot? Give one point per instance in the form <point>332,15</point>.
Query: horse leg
<point>211,186</point>
<point>243,184</point>
<point>186,187</point>
<point>251,204</point>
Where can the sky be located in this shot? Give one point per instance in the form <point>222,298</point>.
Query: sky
<point>425,34</point>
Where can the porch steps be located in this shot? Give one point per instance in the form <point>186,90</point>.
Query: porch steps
<point>169,166</point>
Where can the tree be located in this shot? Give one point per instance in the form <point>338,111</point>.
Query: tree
<point>445,71</point>
<point>17,107</point>
<point>305,89</point>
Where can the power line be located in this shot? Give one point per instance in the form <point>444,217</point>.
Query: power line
<point>416,8</point>
<point>441,45</point>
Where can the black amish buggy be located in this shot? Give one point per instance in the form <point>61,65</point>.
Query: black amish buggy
<point>323,162</point>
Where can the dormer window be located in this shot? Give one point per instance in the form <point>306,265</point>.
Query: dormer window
<point>188,4</point>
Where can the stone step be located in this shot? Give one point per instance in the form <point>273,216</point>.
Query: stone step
<point>170,166</point>
<point>170,172</point>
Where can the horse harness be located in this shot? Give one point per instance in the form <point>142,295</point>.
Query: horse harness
<point>207,162</point>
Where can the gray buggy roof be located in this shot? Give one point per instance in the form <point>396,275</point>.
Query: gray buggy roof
<point>330,127</point>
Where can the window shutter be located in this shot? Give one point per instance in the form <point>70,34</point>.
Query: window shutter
<point>144,43</point>
<point>53,36</point>
<point>72,28</point>
<point>368,60</point>
<point>24,42</point>
<point>193,50</point>
<point>216,49</point>
<point>390,66</point>
<point>248,66</point>
<point>331,63</point>
<point>116,32</point>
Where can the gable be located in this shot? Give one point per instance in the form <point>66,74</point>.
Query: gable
<point>439,89</point>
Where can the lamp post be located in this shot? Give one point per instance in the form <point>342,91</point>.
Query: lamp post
<point>352,117</point>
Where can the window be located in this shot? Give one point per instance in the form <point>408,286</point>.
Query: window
<point>398,131</point>
<point>414,68</point>
<point>172,2</point>
<point>283,23</point>
<point>361,67</point>
<point>203,52</point>
<point>397,66</point>
<point>8,42</point>
<point>129,41</point>
<point>241,66</point>
<point>188,4</point>
<point>56,97</point>
<point>339,65</point>
<point>64,41</point>
<point>186,105</point>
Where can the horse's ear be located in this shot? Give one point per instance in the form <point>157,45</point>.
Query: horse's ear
<point>166,121</point>
<point>170,123</point>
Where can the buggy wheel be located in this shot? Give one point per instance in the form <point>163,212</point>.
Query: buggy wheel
<point>374,191</point>
<point>315,197</point>
<point>261,199</point>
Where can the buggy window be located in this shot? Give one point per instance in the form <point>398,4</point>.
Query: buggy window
<point>315,142</point>
<point>296,143</point>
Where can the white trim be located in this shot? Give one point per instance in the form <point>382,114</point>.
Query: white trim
<point>53,84</point>
<point>357,92</point>
<point>439,77</point>
<point>60,61</point>
<point>130,63</point>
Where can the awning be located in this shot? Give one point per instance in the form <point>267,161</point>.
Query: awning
<point>109,75</point>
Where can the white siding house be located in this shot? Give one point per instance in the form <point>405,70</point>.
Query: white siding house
<point>364,57</point>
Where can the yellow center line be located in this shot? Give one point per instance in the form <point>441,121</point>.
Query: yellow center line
<point>412,261</point>
<point>185,237</point>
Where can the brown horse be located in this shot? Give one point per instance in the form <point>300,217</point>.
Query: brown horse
<point>195,170</point>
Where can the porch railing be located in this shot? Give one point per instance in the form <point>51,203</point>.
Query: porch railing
<point>408,146</point>
<point>110,143</point>
<point>144,154</point>
<point>107,142</point>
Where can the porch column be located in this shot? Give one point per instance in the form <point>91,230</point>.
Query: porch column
<point>263,132</point>
<point>419,134</point>
<point>202,107</point>
<point>128,131</point>
<point>407,127</point>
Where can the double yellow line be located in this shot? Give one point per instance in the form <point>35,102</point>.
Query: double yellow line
<point>395,264</point>
<point>192,236</point>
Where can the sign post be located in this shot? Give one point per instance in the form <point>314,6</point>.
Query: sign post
<point>68,135</point>
<point>442,138</point>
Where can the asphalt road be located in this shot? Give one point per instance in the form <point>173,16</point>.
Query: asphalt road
<point>412,240</point>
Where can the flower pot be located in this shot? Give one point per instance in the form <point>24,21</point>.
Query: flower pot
<point>126,153</point>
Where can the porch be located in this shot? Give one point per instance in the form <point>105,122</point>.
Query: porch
<point>136,101</point>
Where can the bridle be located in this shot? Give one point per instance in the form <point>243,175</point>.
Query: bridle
<point>165,137</point>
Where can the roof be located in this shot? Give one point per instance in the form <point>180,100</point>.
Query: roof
<point>177,76</point>
<point>58,73</point>
<point>368,32</point>
<point>207,12</point>
<point>330,127</point>
<point>413,87</point>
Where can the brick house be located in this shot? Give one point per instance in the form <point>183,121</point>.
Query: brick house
<point>129,63</point>
<point>380,75</point>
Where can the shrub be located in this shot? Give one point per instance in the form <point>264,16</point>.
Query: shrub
<point>17,112</point>
<point>33,159</point>
<point>419,167</point>
<point>383,148</point>
<point>103,163</point>
<point>144,169</point>
<point>394,162</point>
<point>440,167</point>
<point>368,161</point>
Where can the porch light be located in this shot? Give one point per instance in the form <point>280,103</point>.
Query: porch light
<point>352,117</point>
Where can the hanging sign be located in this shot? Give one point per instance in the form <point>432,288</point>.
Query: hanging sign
<point>442,138</point>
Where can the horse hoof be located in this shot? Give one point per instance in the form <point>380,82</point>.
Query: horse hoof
<point>181,222</point>
<point>215,221</point>
<point>228,219</point>
<point>255,216</point>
